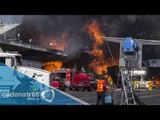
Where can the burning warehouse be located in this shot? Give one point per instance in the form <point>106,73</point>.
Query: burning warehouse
<point>80,36</point>
<point>81,39</point>
<point>10,41</point>
<point>87,42</point>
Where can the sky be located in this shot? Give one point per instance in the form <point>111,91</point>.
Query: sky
<point>11,18</point>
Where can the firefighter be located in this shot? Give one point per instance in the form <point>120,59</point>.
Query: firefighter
<point>101,89</point>
<point>150,85</point>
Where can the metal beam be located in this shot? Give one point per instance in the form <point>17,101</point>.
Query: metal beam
<point>33,52</point>
<point>26,46</point>
<point>143,41</point>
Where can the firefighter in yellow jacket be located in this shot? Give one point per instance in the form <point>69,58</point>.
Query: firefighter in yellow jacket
<point>150,85</point>
<point>101,89</point>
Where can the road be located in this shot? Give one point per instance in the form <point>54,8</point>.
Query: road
<point>148,97</point>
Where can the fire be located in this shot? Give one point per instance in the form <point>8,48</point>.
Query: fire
<point>99,64</point>
<point>59,44</point>
<point>94,30</point>
<point>50,66</point>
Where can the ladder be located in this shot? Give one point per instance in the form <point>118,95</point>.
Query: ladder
<point>127,91</point>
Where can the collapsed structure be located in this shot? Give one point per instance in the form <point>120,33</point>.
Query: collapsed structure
<point>32,55</point>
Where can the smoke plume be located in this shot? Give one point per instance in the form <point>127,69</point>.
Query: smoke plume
<point>42,28</point>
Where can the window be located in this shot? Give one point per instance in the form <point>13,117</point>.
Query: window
<point>2,60</point>
<point>18,60</point>
<point>61,75</point>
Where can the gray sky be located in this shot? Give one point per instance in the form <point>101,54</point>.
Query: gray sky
<point>11,18</point>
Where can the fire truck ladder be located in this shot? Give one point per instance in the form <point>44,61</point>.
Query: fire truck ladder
<point>127,91</point>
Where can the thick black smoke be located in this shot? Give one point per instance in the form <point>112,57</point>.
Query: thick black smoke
<point>136,26</point>
<point>34,27</point>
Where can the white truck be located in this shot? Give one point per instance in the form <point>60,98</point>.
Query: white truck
<point>14,60</point>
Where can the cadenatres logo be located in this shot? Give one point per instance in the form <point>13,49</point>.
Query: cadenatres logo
<point>48,95</point>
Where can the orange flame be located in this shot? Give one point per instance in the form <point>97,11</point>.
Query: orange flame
<point>99,64</point>
<point>58,43</point>
<point>61,43</point>
<point>50,66</point>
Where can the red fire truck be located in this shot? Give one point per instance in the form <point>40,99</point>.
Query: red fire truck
<point>81,82</point>
<point>61,78</point>
<point>68,78</point>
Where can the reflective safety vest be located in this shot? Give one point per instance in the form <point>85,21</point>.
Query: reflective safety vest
<point>101,86</point>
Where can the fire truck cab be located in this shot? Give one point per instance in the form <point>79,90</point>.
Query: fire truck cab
<point>81,82</point>
<point>61,78</point>
<point>68,78</point>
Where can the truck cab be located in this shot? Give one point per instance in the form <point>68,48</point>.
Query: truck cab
<point>61,78</point>
<point>14,60</point>
<point>11,59</point>
<point>58,82</point>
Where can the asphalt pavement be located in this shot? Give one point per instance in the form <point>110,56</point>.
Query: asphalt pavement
<point>148,97</point>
